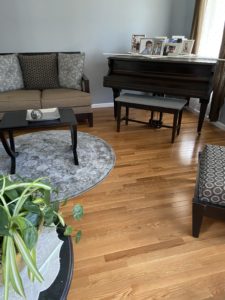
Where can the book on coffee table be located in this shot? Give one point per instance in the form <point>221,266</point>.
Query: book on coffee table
<point>45,114</point>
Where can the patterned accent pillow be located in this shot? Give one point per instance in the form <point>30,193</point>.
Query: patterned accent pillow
<point>39,71</point>
<point>10,73</point>
<point>71,68</point>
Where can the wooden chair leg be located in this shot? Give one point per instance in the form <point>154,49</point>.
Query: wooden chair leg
<point>179,122</point>
<point>175,116</point>
<point>197,216</point>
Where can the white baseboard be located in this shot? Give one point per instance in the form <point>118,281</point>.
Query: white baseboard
<point>193,110</point>
<point>102,105</point>
<point>219,125</point>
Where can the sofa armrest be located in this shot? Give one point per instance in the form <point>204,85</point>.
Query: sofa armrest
<point>85,84</point>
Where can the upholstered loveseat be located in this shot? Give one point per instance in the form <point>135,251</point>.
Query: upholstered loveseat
<point>44,80</point>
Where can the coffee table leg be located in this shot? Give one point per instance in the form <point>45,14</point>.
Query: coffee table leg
<point>73,130</point>
<point>10,149</point>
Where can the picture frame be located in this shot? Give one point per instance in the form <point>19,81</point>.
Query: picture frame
<point>165,38</point>
<point>158,46</point>
<point>146,46</point>
<point>172,49</point>
<point>135,42</point>
<point>187,46</point>
<point>178,38</point>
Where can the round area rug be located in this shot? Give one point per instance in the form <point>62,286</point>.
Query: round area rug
<point>49,154</point>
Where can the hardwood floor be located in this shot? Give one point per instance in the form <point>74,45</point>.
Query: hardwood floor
<point>137,241</point>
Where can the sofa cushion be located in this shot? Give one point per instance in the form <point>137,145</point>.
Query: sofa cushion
<point>39,71</point>
<point>82,110</point>
<point>71,67</point>
<point>64,98</point>
<point>19,100</point>
<point>10,73</point>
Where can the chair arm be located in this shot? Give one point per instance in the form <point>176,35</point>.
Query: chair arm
<point>85,84</point>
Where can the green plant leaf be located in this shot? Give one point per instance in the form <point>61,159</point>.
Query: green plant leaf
<point>32,207</point>
<point>78,211</point>
<point>38,201</point>
<point>4,221</point>
<point>26,256</point>
<point>6,270</point>
<point>61,220</point>
<point>11,195</point>
<point>4,249</point>
<point>20,222</point>
<point>47,196</point>
<point>49,216</point>
<point>33,218</point>
<point>15,278</point>
<point>68,230</point>
<point>30,188</point>
<point>78,236</point>
<point>33,254</point>
<point>55,206</point>
<point>30,237</point>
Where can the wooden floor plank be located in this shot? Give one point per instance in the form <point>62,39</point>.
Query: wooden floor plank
<point>137,241</point>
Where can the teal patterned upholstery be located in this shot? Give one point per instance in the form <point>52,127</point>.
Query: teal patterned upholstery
<point>211,188</point>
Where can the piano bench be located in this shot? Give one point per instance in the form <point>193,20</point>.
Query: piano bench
<point>152,103</point>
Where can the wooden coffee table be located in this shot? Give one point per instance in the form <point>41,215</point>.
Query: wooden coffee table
<point>16,120</point>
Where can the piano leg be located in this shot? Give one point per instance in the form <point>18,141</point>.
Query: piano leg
<point>118,106</point>
<point>202,114</point>
<point>116,93</point>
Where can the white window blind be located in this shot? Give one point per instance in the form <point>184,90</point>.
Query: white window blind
<point>212,32</point>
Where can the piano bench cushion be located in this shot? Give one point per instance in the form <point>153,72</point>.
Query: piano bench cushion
<point>211,182</point>
<point>157,102</point>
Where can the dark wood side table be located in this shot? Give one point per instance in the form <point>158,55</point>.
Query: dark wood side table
<point>16,120</point>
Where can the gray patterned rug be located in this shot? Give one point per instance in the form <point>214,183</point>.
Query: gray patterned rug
<point>49,154</point>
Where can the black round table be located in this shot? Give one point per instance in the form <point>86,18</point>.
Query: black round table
<point>60,287</point>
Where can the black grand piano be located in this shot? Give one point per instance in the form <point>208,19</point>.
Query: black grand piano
<point>184,77</point>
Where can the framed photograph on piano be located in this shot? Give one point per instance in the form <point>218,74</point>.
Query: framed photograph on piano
<point>146,46</point>
<point>135,42</point>
<point>187,46</point>
<point>158,47</point>
<point>172,49</point>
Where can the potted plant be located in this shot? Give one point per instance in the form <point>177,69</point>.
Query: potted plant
<point>25,206</point>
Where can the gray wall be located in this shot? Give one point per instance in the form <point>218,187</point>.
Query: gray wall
<point>92,26</point>
<point>181,17</point>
